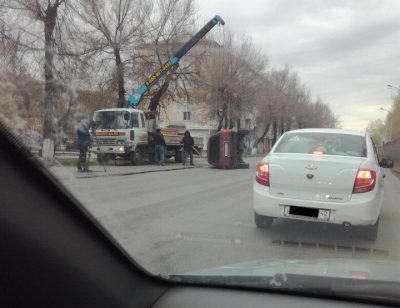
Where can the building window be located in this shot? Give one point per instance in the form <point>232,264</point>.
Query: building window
<point>247,123</point>
<point>187,116</point>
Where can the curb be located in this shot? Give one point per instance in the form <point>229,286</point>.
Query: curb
<point>133,172</point>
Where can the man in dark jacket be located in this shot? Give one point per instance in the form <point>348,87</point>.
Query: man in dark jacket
<point>188,144</point>
<point>159,147</point>
<point>83,143</point>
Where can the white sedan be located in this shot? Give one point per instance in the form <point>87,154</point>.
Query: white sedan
<point>325,175</point>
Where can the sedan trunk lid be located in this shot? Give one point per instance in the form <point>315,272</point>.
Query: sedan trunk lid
<point>326,178</point>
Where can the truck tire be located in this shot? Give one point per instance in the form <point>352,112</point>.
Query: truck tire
<point>135,157</point>
<point>178,157</point>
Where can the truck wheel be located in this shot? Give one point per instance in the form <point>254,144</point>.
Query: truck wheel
<point>103,158</point>
<point>178,157</point>
<point>135,157</point>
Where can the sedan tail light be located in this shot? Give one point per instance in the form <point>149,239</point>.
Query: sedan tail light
<point>262,174</point>
<point>365,181</point>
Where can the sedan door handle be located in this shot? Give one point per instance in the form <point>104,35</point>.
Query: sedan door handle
<point>383,175</point>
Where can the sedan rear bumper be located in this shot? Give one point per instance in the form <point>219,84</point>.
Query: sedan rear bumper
<point>363,209</point>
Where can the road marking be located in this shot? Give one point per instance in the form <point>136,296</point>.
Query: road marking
<point>332,247</point>
<point>205,237</point>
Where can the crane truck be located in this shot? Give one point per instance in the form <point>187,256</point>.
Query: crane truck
<point>126,133</point>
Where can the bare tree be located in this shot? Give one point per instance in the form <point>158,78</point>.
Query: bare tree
<point>392,121</point>
<point>28,16</point>
<point>376,129</point>
<point>230,78</point>
<point>115,28</point>
<point>170,25</point>
<point>284,103</point>
<point>14,67</point>
<point>271,102</point>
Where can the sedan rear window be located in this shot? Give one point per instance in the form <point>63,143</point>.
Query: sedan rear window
<point>323,143</point>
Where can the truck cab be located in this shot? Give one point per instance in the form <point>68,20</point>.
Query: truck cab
<point>119,132</point>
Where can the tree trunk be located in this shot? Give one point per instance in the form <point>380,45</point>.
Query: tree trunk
<point>49,127</point>
<point>282,128</point>
<point>267,127</point>
<point>49,131</point>
<point>275,131</point>
<point>155,99</point>
<point>222,117</point>
<point>257,142</point>
<point>120,78</point>
<point>226,124</point>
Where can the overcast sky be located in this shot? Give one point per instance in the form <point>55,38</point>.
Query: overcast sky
<point>345,52</point>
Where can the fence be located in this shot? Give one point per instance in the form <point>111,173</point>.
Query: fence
<point>391,150</point>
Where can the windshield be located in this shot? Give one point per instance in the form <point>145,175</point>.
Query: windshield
<point>330,144</point>
<point>112,120</point>
<point>212,139</point>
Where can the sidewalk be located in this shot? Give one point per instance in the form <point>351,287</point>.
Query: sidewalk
<point>71,172</point>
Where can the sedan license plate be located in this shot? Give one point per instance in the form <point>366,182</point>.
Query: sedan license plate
<point>324,214</point>
<point>320,214</point>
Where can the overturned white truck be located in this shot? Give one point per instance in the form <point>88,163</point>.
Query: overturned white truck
<point>125,133</point>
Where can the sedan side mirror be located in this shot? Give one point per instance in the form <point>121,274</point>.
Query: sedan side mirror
<point>386,163</point>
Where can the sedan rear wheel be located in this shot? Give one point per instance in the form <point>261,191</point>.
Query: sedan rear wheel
<point>263,222</point>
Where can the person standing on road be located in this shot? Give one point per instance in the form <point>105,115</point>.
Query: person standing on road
<point>159,148</point>
<point>83,143</point>
<point>188,144</point>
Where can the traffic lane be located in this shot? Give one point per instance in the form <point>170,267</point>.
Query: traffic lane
<point>186,233</point>
<point>313,239</point>
<point>104,196</point>
<point>218,229</point>
<point>223,232</point>
<point>297,239</point>
<point>145,212</point>
<point>201,218</point>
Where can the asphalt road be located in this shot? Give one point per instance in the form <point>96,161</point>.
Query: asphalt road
<point>198,218</point>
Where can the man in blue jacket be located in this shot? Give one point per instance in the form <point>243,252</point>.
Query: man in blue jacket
<point>83,143</point>
<point>159,147</point>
